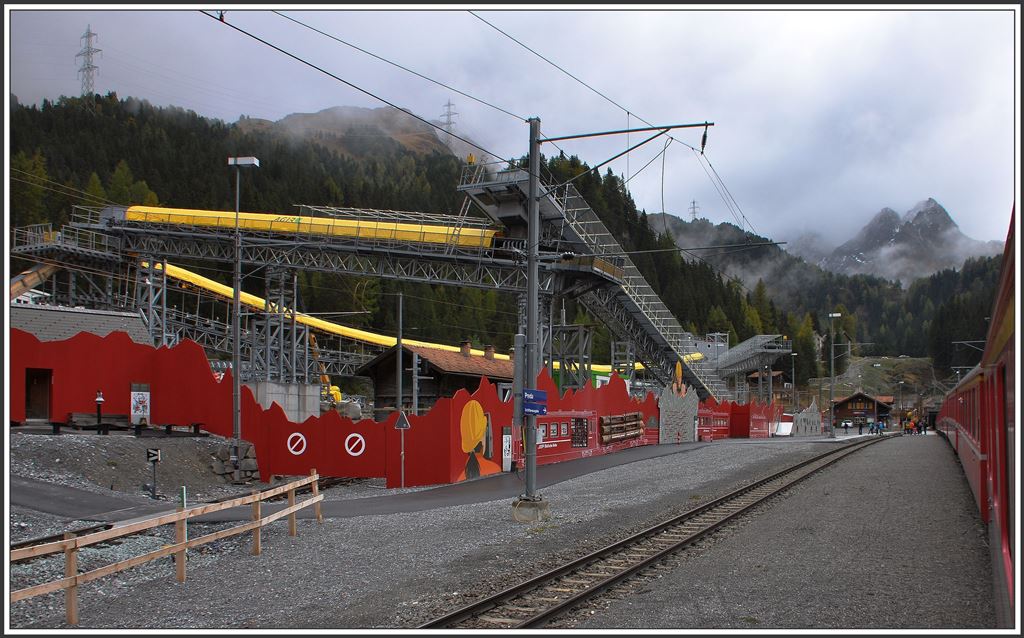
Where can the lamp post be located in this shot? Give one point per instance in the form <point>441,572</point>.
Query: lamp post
<point>99,412</point>
<point>236,347</point>
<point>792,358</point>
<point>832,372</point>
<point>899,404</point>
<point>398,387</point>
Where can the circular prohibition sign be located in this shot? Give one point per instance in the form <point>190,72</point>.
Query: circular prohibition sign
<point>355,444</point>
<point>296,443</point>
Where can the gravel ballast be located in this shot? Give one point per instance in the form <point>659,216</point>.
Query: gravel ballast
<point>398,571</point>
<point>888,538</point>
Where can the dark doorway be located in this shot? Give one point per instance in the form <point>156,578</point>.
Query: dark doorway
<point>37,393</point>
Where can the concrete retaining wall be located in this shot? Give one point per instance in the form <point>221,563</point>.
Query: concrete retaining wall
<point>807,422</point>
<point>299,401</point>
<point>678,416</point>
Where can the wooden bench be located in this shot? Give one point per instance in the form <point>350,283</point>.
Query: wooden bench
<point>87,421</point>
<point>170,429</point>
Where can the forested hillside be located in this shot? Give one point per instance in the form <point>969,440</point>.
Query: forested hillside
<point>127,151</point>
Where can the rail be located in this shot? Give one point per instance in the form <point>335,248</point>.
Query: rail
<point>71,543</point>
<point>533,603</point>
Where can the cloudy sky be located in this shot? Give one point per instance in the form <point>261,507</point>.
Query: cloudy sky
<point>821,117</point>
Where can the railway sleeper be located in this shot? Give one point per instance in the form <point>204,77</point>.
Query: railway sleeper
<point>493,620</point>
<point>520,610</point>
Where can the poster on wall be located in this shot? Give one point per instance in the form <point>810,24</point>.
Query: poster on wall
<point>140,403</point>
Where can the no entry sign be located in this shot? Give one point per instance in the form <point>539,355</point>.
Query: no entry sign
<point>355,444</point>
<point>296,443</point>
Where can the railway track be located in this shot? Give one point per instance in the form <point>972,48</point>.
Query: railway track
<point>533,603</point>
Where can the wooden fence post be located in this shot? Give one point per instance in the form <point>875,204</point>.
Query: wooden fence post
<point>71,570</point>
<point>179,556</point>
<point>292,529</point>
<point>256,547</point>
<point>316,492</point>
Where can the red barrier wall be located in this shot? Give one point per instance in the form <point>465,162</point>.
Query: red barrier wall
<point>444,446</point>
<point>183,390</point>
<point>713,420</point>
<point>739,421</point>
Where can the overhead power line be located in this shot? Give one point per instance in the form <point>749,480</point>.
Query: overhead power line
<point>723,192</point>
<point>395,64</point>
<point>346,82</point>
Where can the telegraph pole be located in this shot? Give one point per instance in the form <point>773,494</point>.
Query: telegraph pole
<point>532,303</point>
<point>531,506</point>
<point>832,384</point>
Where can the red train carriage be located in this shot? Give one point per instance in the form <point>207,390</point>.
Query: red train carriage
<point>978,418</point>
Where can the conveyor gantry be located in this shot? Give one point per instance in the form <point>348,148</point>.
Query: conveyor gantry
<point>632,309</point>
<point>753,354</point>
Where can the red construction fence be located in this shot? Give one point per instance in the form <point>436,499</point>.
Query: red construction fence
<point>461,437</point>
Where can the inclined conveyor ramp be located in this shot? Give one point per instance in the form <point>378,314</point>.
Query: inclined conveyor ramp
<point>571,222</point>
<point>753,354</point>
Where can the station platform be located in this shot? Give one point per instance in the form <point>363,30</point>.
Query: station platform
<point>78,504</point>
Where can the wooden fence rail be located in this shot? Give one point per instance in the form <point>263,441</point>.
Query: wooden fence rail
<point>71,543</point>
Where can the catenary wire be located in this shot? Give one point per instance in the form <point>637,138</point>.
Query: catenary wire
<point>628,112</point>
<point>347,83</point>
<point>85,196</point>
<point>395,64</point>
<point>547,173</point>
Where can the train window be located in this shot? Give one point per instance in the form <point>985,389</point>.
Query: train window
<point>565,428</point>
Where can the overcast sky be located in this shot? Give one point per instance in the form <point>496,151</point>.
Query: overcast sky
<point>821,117</point>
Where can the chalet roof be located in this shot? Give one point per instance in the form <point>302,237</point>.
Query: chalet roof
<point>450,363</point>
<point>867,397</point>
<point>56,323</point>
<point>757,374</point>
<point>458,363</point>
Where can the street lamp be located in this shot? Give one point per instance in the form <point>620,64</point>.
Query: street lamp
<point>792,358</point>
<point>899,403</point>
<point>236,347</point>
<point>832,368</point>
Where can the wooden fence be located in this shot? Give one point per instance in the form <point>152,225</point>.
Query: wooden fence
<point>71,543</point>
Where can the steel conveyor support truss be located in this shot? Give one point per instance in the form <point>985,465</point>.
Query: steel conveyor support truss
<point>484,271</point>
<point>571,348</point>
<point>635,311</point>
<point>151,298</point>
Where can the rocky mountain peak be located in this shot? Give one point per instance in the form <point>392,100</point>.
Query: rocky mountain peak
<point>925,239</point>
<point>929,218</point>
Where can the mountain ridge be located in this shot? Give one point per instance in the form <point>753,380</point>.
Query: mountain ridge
<point>903,248</point>
<point>353,131</point>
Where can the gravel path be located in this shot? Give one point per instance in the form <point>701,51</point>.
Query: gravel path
<point>397,571</point>
<point>888,538</point>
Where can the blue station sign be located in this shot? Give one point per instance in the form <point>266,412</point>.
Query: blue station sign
<point>535,401</point>
<point>534,396</point>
